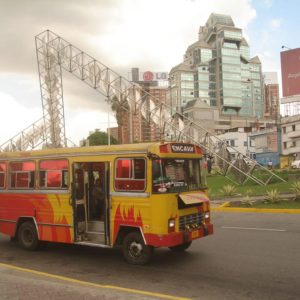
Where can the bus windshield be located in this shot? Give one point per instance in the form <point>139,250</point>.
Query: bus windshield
<point>176,175</point>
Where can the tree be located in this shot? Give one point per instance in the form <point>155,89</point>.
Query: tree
<point>100,138</point>
<point>121,109</point>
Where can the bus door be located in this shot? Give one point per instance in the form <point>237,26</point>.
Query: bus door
<point>90,201</point>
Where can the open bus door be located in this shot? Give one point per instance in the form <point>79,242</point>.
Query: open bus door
<point>90,196</point>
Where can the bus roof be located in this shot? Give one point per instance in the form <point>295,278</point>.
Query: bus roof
<point>153,147</point>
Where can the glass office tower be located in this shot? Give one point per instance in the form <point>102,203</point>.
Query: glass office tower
<point>218,70</point>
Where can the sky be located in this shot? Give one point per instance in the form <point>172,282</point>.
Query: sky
<point>151,35</point>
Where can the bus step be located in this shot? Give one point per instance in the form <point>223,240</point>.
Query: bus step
<point>96,226</point>
<point>92,244</point>
<point>95,237</point>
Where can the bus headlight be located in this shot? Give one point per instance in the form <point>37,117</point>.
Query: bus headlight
<point>206,216</point>
<point>171,225</point>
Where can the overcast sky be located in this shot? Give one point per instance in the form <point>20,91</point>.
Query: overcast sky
<point>152,35</point>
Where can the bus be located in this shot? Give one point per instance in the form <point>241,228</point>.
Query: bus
<point>137,196</point>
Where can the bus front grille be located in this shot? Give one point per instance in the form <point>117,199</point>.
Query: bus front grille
<point>190,222</point>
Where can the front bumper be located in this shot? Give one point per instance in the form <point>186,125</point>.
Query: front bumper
<point>177,238</point>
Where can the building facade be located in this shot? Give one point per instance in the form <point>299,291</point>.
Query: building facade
<point>267,144</point>
<point>290,122</point>
<point>137,125</point>
<point>290,130</point>
<point>219,71</point>
<point>271,101</point>
<point>239,142</point>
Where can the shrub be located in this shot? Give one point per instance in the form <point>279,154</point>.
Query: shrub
<point>295,187</point>
<point>228,190</point>
<point>249,193</point>
<point>215,170</point>
<point>272,196</point>
<point>247,201</point>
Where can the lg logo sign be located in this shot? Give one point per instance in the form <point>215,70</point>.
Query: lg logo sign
<point>150,76</point>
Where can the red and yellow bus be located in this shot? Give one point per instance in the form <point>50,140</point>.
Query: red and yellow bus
<point>137,196</point>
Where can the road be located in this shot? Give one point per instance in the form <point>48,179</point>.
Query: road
<point>250,256</point>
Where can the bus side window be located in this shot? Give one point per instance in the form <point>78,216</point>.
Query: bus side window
<point>22,174</point>
<point>2,175</point>
<point>54,174</point>
<point>130,174</point>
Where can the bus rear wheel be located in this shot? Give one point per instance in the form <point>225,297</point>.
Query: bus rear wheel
<point>27,236</point>
<point>181,247</point>
<point>134,249</point>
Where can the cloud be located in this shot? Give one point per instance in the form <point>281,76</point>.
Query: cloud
<point>267,3</point>
<point>152,35</point>
<point>81,122</point>
<point>120,33</point>
<point>276,23</point>
<point>15,117</point>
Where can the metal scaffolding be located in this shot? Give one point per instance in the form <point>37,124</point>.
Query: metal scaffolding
<point>54,54</point>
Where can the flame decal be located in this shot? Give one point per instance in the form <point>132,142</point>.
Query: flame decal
<point>46,209</point>
<point>126,218</point>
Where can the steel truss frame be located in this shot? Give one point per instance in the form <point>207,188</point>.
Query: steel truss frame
<point>54,54</point>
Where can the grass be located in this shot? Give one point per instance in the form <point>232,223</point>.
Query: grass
<point>217,182</point>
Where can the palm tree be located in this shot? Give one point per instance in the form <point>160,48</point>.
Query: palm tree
<point>121,109</point>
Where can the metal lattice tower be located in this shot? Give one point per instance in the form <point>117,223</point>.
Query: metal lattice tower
<point>50,75</point>
<point>54,54</point>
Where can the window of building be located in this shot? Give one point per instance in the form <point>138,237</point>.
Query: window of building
<point>233,34</point>
<point>54,173</point>
<point>22,174</point>
<point>293,127</point>
<point>2,175</point>
<point>130,174</point>
<point>284,145</point>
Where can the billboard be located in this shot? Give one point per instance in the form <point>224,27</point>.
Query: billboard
<point>290,71</point>
<point>148,76</point>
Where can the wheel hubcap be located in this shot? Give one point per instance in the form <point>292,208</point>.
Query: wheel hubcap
<point>135,249</point>
<point>27,236</point>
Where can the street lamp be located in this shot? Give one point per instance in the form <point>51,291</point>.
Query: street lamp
<point>285,47</point>
<point>108,119</point>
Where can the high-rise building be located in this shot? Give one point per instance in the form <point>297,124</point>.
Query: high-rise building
<point>138,126</point>
<point>218,70</point>
<point>271,103</point>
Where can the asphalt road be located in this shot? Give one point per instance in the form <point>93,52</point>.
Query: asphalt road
<point>250,256</point>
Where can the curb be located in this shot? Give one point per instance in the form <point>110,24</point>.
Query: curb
<point>223,208</point>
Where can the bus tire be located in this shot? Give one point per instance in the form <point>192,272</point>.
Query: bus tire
<point>181,247</point>
<point>134,249</point>
<point>27,236</point>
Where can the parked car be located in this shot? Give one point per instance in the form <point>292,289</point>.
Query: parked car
<point>295,164</point>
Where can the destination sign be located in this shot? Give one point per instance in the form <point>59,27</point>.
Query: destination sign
<point>179,148</point>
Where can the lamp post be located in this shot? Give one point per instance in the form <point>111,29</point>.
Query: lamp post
<point>285,47</point>
<point>108,117</point>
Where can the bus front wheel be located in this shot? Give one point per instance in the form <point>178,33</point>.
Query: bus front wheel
<point>134,249</point>
<point>181,247</point>
<point>27,236</point>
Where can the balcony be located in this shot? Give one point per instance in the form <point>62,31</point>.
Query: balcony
<point>291,150</point>
<point>293,134</point>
